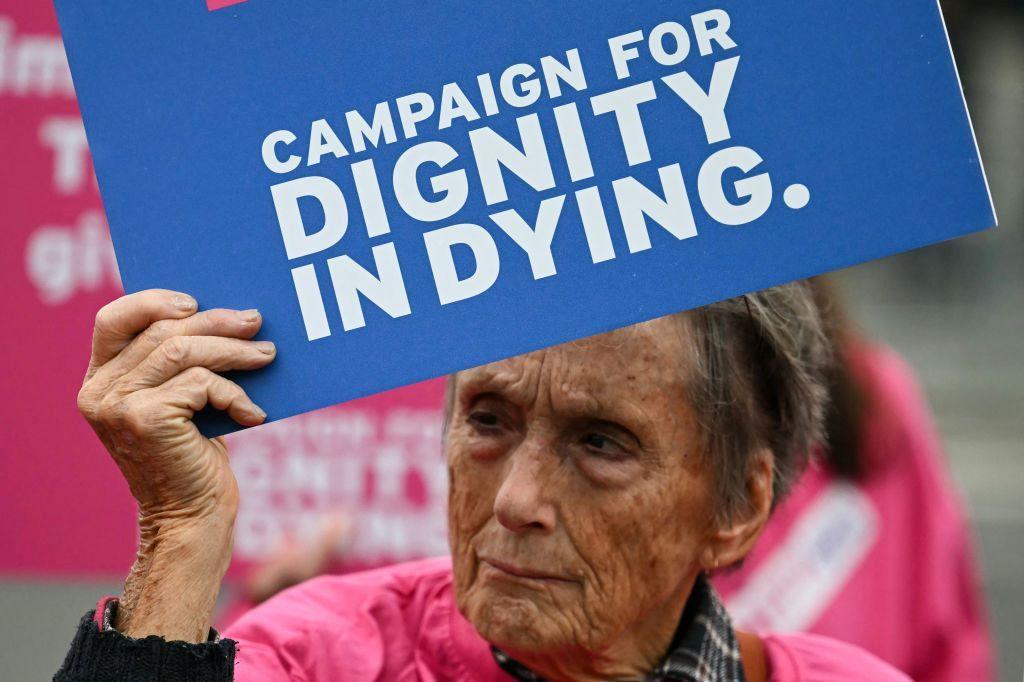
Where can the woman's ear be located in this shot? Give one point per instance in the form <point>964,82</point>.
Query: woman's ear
<point>730,541</point>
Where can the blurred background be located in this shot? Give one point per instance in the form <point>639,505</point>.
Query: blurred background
<point>955,311</point>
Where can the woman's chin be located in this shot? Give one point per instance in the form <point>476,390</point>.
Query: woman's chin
<point>512,622</point>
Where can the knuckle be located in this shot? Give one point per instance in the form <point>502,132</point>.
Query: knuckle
<point>158,332</point>
<point>134,416</point>
<point>175,350</point>
<point>236,392</point>
<point>218,318</point>
<point>86,402</point>
<point>111,410</point>
<point>105,316</point>
<point>196,375</point>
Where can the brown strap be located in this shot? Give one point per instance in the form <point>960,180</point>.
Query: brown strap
<point>755,666</point>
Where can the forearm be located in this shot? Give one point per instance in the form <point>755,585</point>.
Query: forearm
<point>173,586</point>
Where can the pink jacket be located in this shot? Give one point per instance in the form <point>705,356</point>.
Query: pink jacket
<point>887,564</point>
<point>400,623</point>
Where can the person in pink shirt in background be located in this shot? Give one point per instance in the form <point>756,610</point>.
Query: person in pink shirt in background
<point>872,546</point>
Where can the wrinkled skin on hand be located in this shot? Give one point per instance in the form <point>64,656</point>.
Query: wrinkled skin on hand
<point>580,507</point>
<point>152,368</point>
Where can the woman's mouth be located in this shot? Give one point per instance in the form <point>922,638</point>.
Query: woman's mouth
<point>506,570</point>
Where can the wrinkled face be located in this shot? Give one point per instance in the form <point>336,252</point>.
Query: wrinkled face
<point>579,504</point>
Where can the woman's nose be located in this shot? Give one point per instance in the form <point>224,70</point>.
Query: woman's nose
<point>523,503</point>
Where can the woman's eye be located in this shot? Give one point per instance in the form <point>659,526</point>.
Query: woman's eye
<point>601,444</point>
<point>483,419</point>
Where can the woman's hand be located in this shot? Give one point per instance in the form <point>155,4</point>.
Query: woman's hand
<point>153,367</point>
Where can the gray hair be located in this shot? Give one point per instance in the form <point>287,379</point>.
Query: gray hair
<point>759,382</point>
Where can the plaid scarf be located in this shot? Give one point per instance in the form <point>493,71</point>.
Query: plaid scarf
<point>704,648</point>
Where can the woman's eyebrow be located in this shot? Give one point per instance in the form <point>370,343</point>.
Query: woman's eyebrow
<point>614,411</point>
<point>471,392</point>
<point>483,380</point>
<point>480,396</point>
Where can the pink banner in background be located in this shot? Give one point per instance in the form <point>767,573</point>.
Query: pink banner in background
<point>64,507</point>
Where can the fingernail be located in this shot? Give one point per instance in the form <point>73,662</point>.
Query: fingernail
<point>267,347</point>
<point>184,303</point>
<point>248,316</point>
<point>258,412</point>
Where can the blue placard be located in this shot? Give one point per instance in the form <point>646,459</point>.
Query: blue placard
<point>407,188</point>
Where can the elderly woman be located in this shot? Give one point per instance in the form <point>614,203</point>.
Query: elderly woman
<point>592,487</point>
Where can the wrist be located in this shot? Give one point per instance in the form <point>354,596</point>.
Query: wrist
<point>173,585</point>
<point>181,527</point>
<point>206,512</point>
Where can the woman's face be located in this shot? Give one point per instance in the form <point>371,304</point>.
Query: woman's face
<point>579,505</point>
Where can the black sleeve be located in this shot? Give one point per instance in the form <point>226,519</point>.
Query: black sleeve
<point>98,656</point>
